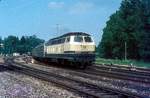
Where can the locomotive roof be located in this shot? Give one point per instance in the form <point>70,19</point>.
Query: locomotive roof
<point>70,34</point>
<point>75,33</point>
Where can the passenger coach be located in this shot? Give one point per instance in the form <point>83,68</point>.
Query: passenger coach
<point>75,48</point>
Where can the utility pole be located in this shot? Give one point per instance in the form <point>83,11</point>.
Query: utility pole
<point>125,57</point>
<point>1,46</point>
<point>44,49</point>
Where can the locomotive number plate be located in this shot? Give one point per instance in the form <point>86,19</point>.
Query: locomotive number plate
<point>83,47</point>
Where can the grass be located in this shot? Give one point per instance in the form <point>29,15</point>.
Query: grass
<point>123,62</point>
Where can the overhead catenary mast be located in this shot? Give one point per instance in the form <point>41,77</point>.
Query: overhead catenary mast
<point>57,28</point>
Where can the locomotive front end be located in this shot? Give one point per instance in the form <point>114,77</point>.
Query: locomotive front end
<point>82,49</point>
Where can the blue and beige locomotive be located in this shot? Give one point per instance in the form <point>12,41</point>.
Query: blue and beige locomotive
<point>74,48</point>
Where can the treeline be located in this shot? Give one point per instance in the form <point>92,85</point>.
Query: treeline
<point>128,30</point>
<point>13,44</point>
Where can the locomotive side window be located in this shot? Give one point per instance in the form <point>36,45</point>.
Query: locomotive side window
<point>56,41</point>
<point>53,42</point>
<point>67,39</point>
<point>87,39</point>
<point>78,39</point>
<point>62,40</point>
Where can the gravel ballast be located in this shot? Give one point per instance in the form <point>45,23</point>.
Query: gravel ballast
<point>122,85</point>
<point>16,85</point>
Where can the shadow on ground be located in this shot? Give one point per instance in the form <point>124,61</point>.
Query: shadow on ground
<point>64,66</point>
<point>3,68</point>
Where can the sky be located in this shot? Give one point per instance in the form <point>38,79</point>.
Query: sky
<point>43,17</point>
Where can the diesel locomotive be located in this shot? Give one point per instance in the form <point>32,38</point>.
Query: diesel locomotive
<point>74,48</point>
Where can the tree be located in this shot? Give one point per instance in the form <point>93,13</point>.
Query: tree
<point>12,44</point>
<point>131,25</point>
<point>145,37</point>
<point>27,43</point>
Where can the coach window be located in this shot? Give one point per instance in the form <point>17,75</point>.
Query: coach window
<point>78,39</point>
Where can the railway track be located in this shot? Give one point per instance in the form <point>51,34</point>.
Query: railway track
<point>124,70</point>
<point>84,88</point>
<point>133,68</point>
<point>81,74</point>
<point>135,76</point>
<point>119,73</point>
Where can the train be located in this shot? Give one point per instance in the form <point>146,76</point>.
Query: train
<point>73,48</point>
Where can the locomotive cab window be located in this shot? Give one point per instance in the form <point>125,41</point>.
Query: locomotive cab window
<point>78,39</point>
<point>87,39</point>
